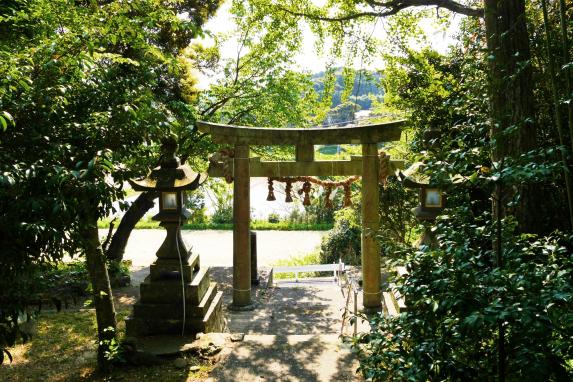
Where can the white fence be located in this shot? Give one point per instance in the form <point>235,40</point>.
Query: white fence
<point>336,269</point>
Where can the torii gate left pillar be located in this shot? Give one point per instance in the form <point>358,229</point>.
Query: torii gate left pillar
<point>241,223</point>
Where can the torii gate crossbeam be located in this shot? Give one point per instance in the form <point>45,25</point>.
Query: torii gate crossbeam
<point>304,140</point>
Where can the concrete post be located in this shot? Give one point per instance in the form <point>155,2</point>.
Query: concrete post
<point>372,300</point>
<point>254,269</point>
<point>241,220</point>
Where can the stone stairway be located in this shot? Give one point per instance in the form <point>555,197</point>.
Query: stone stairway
<point>160,308</point>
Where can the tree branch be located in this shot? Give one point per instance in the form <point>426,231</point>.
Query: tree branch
<point>105,244</point>
<point>389,8</point>
<point>136,211</point>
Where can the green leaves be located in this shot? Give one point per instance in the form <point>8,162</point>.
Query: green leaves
<point>457,298</point>
<point>6,119</point>
<point>85,92</point>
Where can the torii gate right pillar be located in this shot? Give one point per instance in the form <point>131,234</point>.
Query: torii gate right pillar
<point>372,299</point>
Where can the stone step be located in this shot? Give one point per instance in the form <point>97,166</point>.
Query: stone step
<point>214,321</point>
<point>200,284</point>
<point>389,305</point>
<point>205,303</point>
<point>140,327</point>
<point>399,300</point>
<point>176,309</point>
<point>194,262</point>
<point>170,291</point>
<point>170,269</point>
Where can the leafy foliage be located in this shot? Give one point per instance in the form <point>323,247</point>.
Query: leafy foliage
<point>457,296</point>
<point>364,87</point>
<point>468,295</point>
<point>343,241</point>
<point>257,87</point>
<point>86,89</point>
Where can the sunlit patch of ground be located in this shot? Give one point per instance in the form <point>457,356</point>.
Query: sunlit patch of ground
<point>64,349</point>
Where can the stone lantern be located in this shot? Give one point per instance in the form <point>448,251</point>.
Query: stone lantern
<point>177,296</point>
<point>432,198</point>
<point>171,180</point>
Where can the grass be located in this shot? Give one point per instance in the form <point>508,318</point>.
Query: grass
<point>258,225</point>
<point>64,349</point>
<point>309,258</point>
<point>330,152</point>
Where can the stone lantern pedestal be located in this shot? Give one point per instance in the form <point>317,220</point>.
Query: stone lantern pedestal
<point>178,296</point>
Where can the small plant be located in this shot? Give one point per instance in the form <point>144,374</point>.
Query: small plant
<point>274,218</point>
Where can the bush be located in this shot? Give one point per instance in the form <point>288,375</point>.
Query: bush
<point>397,221</point>
<point>119,274</point>
<point>458,298</point>
<point>296,215</point>
<point>223,215</point>
<point>222,198</point>
<point>274,218</point>
<point>343,241</point>
<point>195,203</point>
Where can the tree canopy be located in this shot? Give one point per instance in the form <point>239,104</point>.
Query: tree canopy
<point>87,88</point>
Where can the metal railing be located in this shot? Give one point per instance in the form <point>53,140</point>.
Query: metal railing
<point>350,285</point>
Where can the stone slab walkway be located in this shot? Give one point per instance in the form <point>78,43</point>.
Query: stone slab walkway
<point>292,335</point>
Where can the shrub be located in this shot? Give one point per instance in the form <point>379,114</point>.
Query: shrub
<point>222,216</point>
<point>274,218</point>
<point>458,298</point>
<point>343,241</point>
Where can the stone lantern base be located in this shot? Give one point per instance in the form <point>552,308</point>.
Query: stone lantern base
<point>159,310</point>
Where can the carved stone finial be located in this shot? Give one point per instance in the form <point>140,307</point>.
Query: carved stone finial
<point>168,149</point>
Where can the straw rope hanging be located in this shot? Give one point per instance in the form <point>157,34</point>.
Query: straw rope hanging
<point>307,188</point>
<point>384,170</point>
<point>226,156</point>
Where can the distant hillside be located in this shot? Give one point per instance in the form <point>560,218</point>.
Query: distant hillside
<point>364,85</point>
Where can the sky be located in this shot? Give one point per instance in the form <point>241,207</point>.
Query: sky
<point>308,59</point>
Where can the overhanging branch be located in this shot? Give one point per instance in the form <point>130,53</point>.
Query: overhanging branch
<point>389,8</point>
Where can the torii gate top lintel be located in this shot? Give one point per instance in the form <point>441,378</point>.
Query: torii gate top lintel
<point>244,135</point>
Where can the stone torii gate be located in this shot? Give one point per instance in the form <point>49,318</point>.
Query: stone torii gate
<point>304,140</point>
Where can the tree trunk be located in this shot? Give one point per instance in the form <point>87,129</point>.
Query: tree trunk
<point>102,296</point>
<point>557,112</point>
<point>136,211</point>
<point>513,130</point>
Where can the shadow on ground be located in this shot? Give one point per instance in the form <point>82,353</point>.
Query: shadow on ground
<point>292,334</point>
<point>306,307</point>
<point>315,357</point>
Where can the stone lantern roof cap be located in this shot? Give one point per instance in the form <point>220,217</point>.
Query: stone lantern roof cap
<point>170,175</point>
<point>414,177</point>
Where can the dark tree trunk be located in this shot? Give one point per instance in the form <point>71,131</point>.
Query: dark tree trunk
<point>136,211</point>
<point>102,296</point>
<point>513,127</point>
